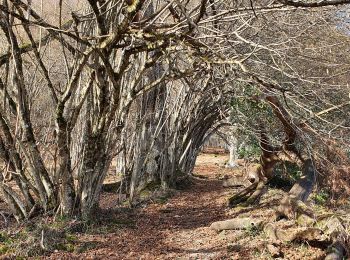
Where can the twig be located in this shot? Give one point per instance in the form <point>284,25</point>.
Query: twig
<point>4,217</point>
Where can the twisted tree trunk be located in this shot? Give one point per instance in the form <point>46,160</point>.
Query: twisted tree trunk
<point>293,204</point>
<point>262,173</point>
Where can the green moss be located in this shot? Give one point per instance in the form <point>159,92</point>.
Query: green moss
<point>68,244</point>
<point>321,197</point>
<point>86,246</point>
<point>4,238</point>
<point>60,222</point>
<point>6,243</point>
<point>162,199</point>
<point>149,188</point>
<point>119,223</point>
<point>71,238</point>
<point>25,45</point>
<point>67,247</point>
<point>109,225</point>
<point>152,186</point>
<point>145,194</point>
<point>253,230</point>
<point>132,7</point>
<point>4,249</point>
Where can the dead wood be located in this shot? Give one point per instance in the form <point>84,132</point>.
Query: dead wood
<point>236,223</point>
<point>241,162</point>
<point>274,251</point>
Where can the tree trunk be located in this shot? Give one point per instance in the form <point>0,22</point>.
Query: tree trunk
<point>95,164</point>
<point>64,168</point>
<point>261,174</point>
<point>292,204</point>
<point>233,152</point>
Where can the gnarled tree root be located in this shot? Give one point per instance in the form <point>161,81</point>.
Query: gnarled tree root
<point>331,237</point>
<point>292,208</point>
<point>261,189</point>
<point>242,196</point>
<point>295,234</point>
<point>249,195</point>
<point>341,240</point>
<point>292,205</point>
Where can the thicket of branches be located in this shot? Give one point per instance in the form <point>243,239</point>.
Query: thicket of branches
<point>148,81</point>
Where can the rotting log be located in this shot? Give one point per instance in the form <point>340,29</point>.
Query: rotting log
<point>332,235</point>
<point>236,223</point>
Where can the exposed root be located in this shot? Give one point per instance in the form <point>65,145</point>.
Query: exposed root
<point>242,196</point>
<point>339,248</point>
<point>249,195</point>
<point>303,234</point>
<point>292,208</point>
<point>258,174</point>
<point>331,236</point>
<point>261,189</point>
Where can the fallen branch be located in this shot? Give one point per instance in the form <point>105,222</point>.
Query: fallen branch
<point>236,223</point>
<point>4,217</point>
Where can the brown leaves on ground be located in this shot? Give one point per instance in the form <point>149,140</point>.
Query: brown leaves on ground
<point>178,228</point>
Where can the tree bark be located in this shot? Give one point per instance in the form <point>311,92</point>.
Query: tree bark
<point>261,174</point>
<point>64,168</point>
<point>292,204</point>
<point>95,164</point>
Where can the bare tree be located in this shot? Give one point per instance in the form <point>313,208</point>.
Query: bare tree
<point>107,51</point>
<point>148,81</point>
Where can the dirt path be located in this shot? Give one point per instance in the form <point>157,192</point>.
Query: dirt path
<point>173,228</point>
<point>176,229</point>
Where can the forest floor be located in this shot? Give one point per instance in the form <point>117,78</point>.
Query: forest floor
<point>174,227</point>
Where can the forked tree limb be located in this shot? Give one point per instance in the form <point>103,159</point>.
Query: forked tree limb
<point>25,48</point>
